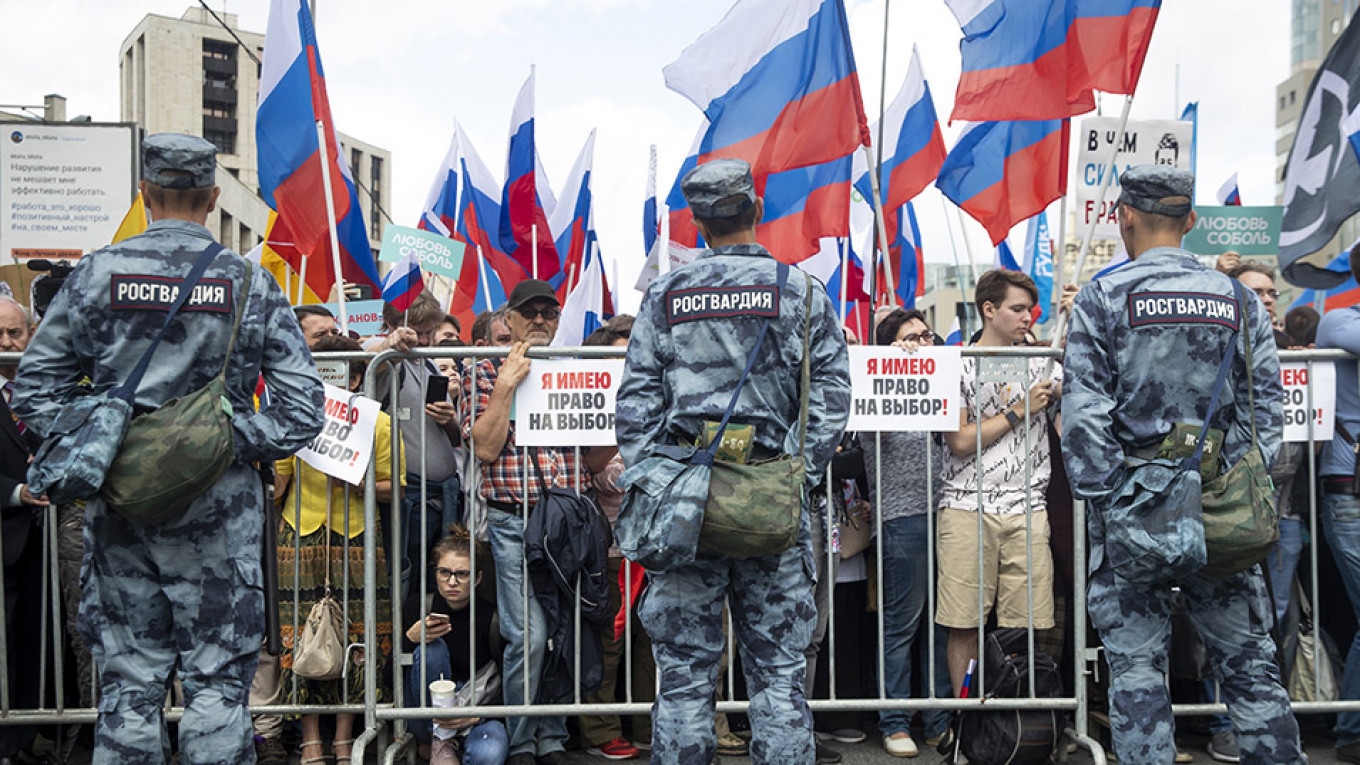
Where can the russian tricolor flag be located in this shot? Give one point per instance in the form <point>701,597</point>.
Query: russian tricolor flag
<point>651,221</point>
<point>403,283</point>
<point>777,81</point>
<point>1228,193</point>
<point>1004,172</point>
<point>462,190</point>
<point>522,204</point>
<point>681,222</point>
<point>1113,36</point>
<point>587,307</point>
<point>838,267</point>
<point>908,257</point>
<point>479,215</point>
<point>804,205</point>
<point>292,100</point>
<point>955,336</point>
<point>913,146</point>
<point>1018,61</point>
<point>1004,258</point>
<point>572,223</point>
<point>441,203</point>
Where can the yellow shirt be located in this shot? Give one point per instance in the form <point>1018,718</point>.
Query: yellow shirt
<point>313,483</point>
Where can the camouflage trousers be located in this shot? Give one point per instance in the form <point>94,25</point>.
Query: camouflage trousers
<point>1233,616</point>
<point>773,615</point>
<point>185,597</point>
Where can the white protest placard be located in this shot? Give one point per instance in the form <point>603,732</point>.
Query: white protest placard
<point>346,442</point>
<point>436,253</point>
<point>65,187</point>
<point>1294,375</point>
<point>1144,142</point>
<point>892,390</point>
<point>333,372</point>
<point>365,316</point>
<point>568,402</point>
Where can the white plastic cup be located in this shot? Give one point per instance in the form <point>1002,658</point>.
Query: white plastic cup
<point>442,693</point>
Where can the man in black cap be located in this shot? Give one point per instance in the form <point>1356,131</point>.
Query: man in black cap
<point>488,394</point>
<point>184,595</point>
<point>1144,352</point>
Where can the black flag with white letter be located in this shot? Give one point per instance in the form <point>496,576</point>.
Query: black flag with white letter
<point>1322,176</point>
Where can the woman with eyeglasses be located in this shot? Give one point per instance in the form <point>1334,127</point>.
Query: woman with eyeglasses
<point>907,497</point>
<point>448,640</point>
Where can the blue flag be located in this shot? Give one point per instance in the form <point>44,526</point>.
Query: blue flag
<point>1039,261</point>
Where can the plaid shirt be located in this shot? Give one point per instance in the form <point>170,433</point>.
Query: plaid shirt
<point>504,479</point>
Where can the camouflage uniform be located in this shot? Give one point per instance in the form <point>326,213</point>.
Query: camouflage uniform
<point>680,372</point>
<point>1133,368</point>
<point>184,596</point>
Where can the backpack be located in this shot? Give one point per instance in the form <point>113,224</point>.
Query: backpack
<point>1013,736</point>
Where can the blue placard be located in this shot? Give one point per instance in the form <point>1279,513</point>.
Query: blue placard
<point>437,254</point>
<point>365,316</point>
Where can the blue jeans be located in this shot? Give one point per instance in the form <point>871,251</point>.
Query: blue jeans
<point>905,577</point>
<point>486,742</point>
<point>1282,561</point>
<point>1341,523</point>
<point>936,721</point>
<point>443,507</point>
<point>528,735</point>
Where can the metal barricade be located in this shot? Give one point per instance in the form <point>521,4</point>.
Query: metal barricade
<point>385,380</point>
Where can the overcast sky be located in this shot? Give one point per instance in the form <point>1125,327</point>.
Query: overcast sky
<point>399,73</point>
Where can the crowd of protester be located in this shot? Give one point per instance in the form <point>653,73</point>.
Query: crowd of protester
<point>460,592</point>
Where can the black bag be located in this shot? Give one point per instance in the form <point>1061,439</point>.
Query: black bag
<point>1013,736</point>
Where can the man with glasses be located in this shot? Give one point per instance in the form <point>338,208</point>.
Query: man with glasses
<point>1260,279</point>
<point>510,487</point>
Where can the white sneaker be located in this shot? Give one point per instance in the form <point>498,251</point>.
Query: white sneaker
<point>900,745</point>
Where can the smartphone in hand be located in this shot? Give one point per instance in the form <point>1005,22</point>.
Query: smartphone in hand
<point>436,389</point>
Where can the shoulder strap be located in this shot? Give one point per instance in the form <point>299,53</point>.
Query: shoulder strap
<point>240,312</point>
<point>128,390</point>
<point>1192,462</point>
<point>706,456</point>
<point>805,379</point>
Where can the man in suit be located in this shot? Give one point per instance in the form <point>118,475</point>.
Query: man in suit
<point>21,517</point>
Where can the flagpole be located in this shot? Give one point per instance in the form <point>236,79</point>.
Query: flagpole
<point>287,280</point>
<point>302,280</point>
<point>330,220</point>
<point>882,225</point>
<point>1061,327</point>
<point>533,238</point>
<point>958,268</point>
<point>845,274</point>
<point>486,286</point>
<point>967,245</point>
<point>1060,258</point>
<point>663,255</point>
